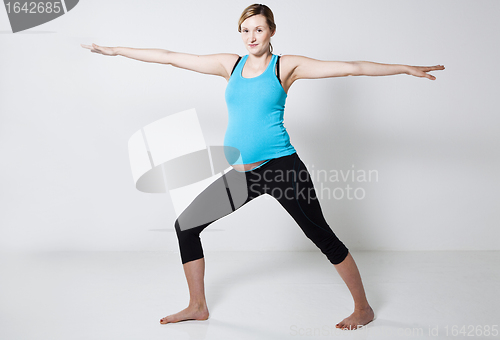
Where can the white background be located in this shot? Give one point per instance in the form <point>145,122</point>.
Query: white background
<point>66,116</point>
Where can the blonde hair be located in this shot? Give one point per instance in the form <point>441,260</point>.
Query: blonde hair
<point>257,9</point>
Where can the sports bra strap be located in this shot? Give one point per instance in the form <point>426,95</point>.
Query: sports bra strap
<point>278,69</point>
<point>237,61</point>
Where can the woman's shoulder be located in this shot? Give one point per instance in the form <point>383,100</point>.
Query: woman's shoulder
<point>227,56</point>
<point>291,61</point>
<point>292,57</point>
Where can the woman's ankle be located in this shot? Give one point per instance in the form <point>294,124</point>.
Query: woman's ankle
<point>363,308</point>
<point>198,304</point>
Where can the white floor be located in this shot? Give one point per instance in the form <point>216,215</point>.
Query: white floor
<point>251,295</point>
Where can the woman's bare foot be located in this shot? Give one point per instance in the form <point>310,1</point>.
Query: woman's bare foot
<point>190,313</point>
<point>360,317</point>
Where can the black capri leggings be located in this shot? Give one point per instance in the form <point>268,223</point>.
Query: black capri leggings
<point>286,179</point>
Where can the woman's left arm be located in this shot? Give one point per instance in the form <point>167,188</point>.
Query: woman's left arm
<point>308,68</point>
<point>368,68</point>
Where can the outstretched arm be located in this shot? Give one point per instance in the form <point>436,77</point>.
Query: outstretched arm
<point>215,64</point>
<point>368,68</point>
<point>308,68</point>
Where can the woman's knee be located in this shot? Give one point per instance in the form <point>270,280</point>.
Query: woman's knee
<point>334,249</point>
<point>189,243</point>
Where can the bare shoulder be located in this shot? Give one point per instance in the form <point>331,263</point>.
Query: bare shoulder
<point>290,62</point>
<point>226,57</point>
<point>227,60</point>
<point>288,66</point>
<point>293,60</point>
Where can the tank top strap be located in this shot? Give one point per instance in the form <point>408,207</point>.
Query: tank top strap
<point>271,70</point>
<point>272,65</point>
<point>238,69</point>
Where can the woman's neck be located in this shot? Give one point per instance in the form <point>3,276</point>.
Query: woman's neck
<point>259,62</point>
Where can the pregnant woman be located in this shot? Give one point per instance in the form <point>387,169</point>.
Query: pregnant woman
<point>266,161</point>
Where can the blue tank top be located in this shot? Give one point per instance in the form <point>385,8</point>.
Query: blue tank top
<point>255,123</point>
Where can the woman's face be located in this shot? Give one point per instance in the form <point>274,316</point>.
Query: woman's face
<point>256,34</point>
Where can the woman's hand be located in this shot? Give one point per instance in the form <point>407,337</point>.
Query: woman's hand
<point>100,49</point>
<point>421,71</point>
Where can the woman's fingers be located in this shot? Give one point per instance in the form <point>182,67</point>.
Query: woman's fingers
<point>109,51</point>
<point>91,48</point>
<point>99,49</point>
<point>421,71</point>
<point>96,48</point>
<point>434,68</point>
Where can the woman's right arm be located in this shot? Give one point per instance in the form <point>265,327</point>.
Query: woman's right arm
<point>215,64</point>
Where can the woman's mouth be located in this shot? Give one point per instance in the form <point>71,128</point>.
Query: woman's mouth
<point>252,45</point>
